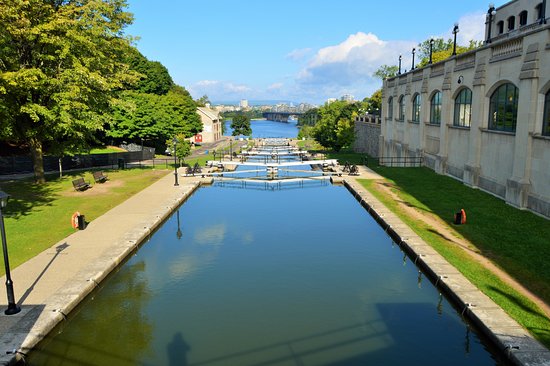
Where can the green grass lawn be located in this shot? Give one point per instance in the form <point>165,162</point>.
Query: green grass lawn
<point>106,150</point>
<point>38,216</point>
<point>515,240</point>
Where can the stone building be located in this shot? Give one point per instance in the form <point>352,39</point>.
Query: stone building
<point>211,126</point>
<point>367,134</point>
<point>482,117</point>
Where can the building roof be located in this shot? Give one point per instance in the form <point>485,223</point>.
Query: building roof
<point>210,113</point>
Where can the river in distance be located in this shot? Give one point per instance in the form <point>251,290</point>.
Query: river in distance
<point>262,128</point>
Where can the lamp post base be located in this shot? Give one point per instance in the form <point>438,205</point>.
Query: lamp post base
<point>12,309</point>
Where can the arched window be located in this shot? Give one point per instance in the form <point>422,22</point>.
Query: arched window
<point>416,108</point>
<point>390,107</point>
<point>500,27</point>
<point>401,116</point>
<point>546,120</point>
<point>503,108</point>
<point>523,18</point>
<point>463,108</point>
<point>435,109</point>
<point>511,23</point>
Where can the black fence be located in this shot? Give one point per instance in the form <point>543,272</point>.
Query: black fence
<point>408,162</point>
<point>10,165</point>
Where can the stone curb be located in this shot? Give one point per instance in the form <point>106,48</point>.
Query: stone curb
<point>507,335</point>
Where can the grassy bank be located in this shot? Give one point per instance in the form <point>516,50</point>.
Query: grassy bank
<point>38,216</point>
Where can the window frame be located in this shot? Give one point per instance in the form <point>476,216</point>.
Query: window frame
<point>511,23</point>
<point>401,102</point>
<point>435,109</point>
<point>503,100</point>
<point>546,115</point>
<point>463,108</point>
<point>416,107</point>
<point>500,27</point>
<point>523,16</point>
<point>390,107</point>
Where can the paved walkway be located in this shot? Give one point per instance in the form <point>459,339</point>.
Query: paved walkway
<point>50,285</point>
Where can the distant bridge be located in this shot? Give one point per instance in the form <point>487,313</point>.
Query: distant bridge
<point>280,116</point>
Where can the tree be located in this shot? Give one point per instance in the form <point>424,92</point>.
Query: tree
<point>155,118</point>
<point>155,78</point>
<point>386,71</point>
<point>202,101</point>
<point>309,118</point>
<point>442,50</point>
<point>60,67</point>
<point>183,147</point>
<point>335,128</point>
<point>241,125</point>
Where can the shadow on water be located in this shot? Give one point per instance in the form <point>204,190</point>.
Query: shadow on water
<point>177,351</point>
<point>399,334</point>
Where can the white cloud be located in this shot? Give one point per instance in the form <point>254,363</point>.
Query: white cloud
<point>348,67</point>
<point>471,27</point>
<point>299,54</point>
<point>216,89</point>
<point>275,86</point>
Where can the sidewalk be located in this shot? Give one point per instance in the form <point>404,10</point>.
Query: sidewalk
<point>50,285</point>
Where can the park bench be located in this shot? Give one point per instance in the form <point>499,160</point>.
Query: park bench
<point>81,185</point>
<point>99,177</point>
<point>354,170</point>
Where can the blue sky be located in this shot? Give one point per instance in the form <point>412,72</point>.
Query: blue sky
<point>300,50</point>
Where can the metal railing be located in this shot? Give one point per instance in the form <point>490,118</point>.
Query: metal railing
<point>394,162</point>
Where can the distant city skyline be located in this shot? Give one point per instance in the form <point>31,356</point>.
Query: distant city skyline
<point>305,51</point>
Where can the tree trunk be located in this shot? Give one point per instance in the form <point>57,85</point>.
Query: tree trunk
<point>37,160</point>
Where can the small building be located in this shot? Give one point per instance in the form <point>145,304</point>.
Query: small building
<point>211,126</point>
<point>482,117</point>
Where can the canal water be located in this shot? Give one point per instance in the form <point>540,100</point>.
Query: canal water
<point>287,276</point>
<point>266,128</point>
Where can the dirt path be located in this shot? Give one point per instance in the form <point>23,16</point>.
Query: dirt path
<point>449,234</point>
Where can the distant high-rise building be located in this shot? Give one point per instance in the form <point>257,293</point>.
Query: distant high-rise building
<point>330,100</point>
<point>244,103</point>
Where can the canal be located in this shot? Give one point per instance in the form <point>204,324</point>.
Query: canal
<point>288,276</point>
<point>265,128</point>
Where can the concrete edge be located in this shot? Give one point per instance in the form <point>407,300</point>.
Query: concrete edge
<point>60,304</point>
<point>509,337</point>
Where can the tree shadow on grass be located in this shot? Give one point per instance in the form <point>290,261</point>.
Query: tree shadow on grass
<point>542,333</point>
<point>25,195</point>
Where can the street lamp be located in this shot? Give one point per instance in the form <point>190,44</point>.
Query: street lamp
<point>455,31</point>
<point>13,308</point>
<point>431,50</point>
<point>414,50</point>
<point>490,13</point>
<point>399,72</point>
<point>178,233</point>
<point>175,141</point>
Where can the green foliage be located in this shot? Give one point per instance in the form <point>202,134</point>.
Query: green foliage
<point>386,71</point>
<point>241,125</point>
<point>251,114</point>
<point>442,50</point>
<point>309,118</point>
<point>155,77</point>
<point>60,67</point>
<point>202,101</point>
<point>335,128</point>
<point>183,147</point>
<point>155,118</point>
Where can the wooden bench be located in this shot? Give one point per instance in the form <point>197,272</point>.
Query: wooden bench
<point>80,185</point>
<point>99,177</point>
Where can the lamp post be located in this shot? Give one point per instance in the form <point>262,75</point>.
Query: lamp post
<point>175,141</point>
<point>399,72</point>
<point>13,308</point>
<point>431,50</point>
<point>455,31</point>
<point>413,52</point>
<point>490,13</point>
